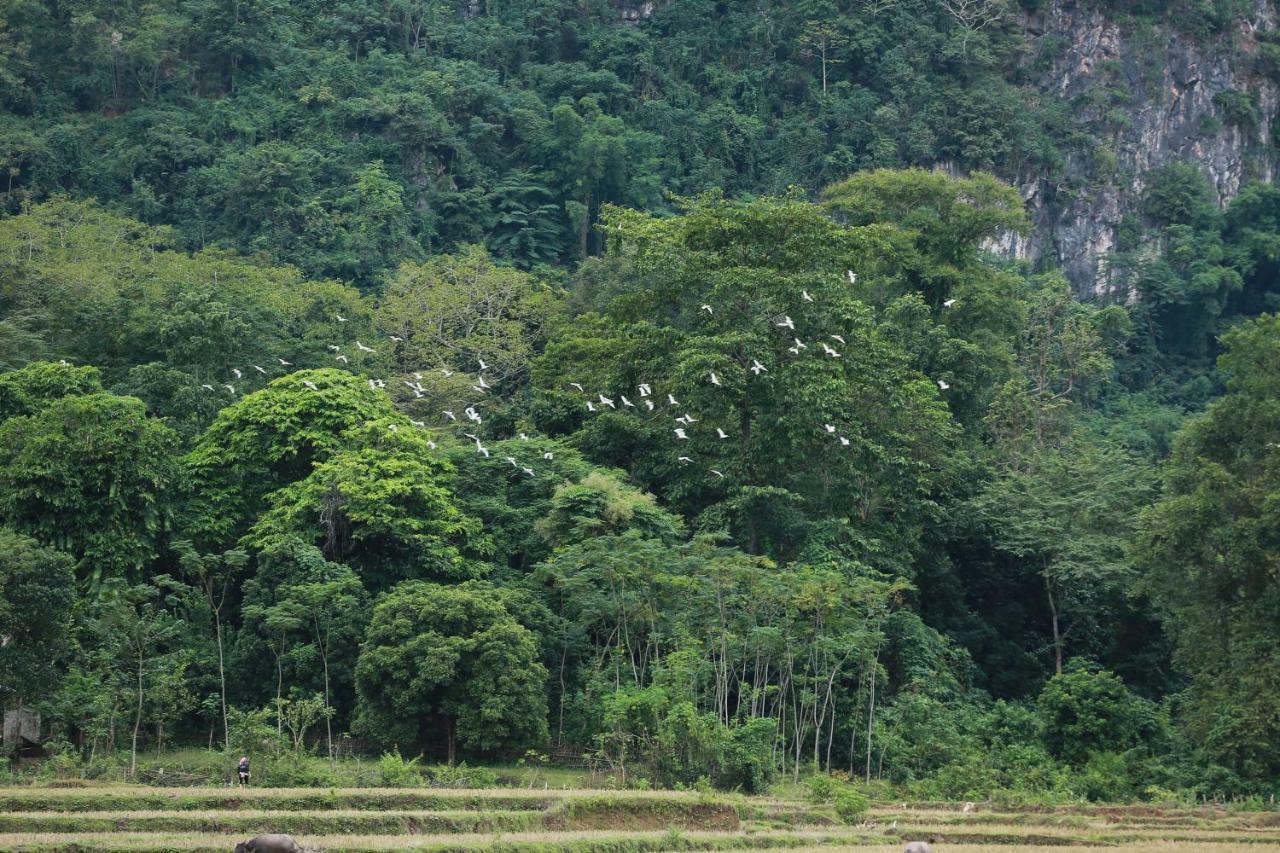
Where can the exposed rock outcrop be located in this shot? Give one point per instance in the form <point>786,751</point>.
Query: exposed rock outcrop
<point>1147,96</point>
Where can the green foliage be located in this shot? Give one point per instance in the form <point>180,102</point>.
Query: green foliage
<point>655,737</point>
<point>254,733</point>
<point>865,553</point>
<point>93,287</point>
<point>349,141</point>
<point>395,771</point>
<point>384,506</point>
<point>91,475</point>
<point>947,217</point>
<point>1177,194</point>
<point>1086,713</point>
<point>1239,109</point>
<point>37,590</point>
<point>1206,549</point>
<point>25,391</point>
<point>750,261</point>
<point>850,803</point>
<point>1064,514</point>
<point>453,657</point>
<point>461,311</point>
<point>270,439</point>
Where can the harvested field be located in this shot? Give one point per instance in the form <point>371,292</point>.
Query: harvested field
<point>135,818</point>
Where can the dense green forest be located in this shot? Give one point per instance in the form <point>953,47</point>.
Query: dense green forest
<point>475,378</point>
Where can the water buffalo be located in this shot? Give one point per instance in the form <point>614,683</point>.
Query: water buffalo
<point>917,847</point>
<point>274,843</point>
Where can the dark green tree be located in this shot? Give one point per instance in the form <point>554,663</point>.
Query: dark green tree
<point>37,590</point>
<point>1209,551</point>
<point>451,661</point>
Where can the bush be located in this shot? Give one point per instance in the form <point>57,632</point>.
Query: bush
<point>1239,109</point>
<point>821,788</point>
<point>670,743</point>
<point>396,771</point>
<point>748,761</point>
<point>254,732</point>
<point>461,776</point>
<point>298,771</point>
<point>1105,777</point>
<point>851,804</point>
<point>835,788</point>
<point>1087,711</point>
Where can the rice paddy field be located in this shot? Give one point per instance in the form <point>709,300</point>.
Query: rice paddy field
<point>138,818</point>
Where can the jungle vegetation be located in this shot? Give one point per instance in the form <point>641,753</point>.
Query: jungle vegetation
<point>927,518</point>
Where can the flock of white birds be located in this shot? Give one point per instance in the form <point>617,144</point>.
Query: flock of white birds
<point>644,391</point>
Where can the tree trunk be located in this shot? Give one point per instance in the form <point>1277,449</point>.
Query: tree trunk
<point>871,710</point>
<point>1057,631</point>
<point>564,653</point>
<point>280,688</point>
<point>222,681</point>
<point>328,717</point>
<point>453,740</point>
<point>137,723</point>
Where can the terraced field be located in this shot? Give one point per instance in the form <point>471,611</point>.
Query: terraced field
<point>95,820</point>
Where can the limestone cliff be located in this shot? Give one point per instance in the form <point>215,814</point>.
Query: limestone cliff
<point>1143,97</point>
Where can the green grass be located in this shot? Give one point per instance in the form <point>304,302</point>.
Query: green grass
<point>198,766</point>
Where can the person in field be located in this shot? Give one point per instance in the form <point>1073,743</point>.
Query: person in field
<point>242,770</point>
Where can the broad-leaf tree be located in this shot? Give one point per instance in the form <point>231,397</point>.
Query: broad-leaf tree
<point>1210,554</point>
<point>451,664</point>
<point>91,475</point>
<point>37,590</point>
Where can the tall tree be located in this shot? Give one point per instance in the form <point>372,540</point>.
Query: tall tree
<point>37,590</point>
<point>213,575</point>
<point>384,505</point>
<point>94,476</point>
<point>1210,555</point>
<point>785,439</point>
<point>272,438</point>
<point>454,657</point>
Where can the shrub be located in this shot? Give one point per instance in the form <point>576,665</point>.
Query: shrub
<point>1086,711</point>
<point>1105,777</point>
<point>1239,109</point>
<point>821,788</point>
<point>851,804</point>
<point>461,776</point>
<point>396,771</point>
<point>254,732</point>
<point>835,788</point>
<point>297,771</point>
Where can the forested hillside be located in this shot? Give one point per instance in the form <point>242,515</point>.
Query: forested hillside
<point>722,390</point>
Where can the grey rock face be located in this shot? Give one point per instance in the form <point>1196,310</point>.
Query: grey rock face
<point>1159,108</point>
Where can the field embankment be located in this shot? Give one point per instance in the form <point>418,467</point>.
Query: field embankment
<point>193,820</point>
